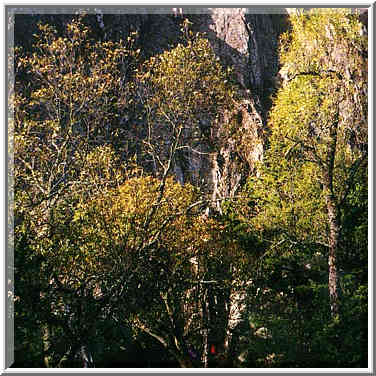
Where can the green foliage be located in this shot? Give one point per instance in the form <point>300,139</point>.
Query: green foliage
<point>28,344</point>
<point>78,86</point>
<point>292,302</point>
<point>317,154</point>
<point>302,119</point>
<point>309,116</point>
<point>323,40</point>
<point>330,42</point>
<point>354,240</point>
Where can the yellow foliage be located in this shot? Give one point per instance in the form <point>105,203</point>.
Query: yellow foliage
<point>119,225</point>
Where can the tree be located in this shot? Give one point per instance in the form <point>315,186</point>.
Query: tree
<point>70,98</point>
<point>165,266</point>
<point>319,131</point>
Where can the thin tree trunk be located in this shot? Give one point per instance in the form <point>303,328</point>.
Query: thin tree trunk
<point>205,330</point>
<point>333,219</point>
<point>332,259</point>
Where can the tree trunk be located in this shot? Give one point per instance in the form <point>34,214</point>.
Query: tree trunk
<point>333,250</point>
<point>236,311</point>
<point>333,218</point>
<point>205,329</point>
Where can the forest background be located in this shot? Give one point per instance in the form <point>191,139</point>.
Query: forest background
<point>174,206</point>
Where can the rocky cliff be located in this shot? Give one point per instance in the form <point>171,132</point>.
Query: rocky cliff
<point>249,44</point>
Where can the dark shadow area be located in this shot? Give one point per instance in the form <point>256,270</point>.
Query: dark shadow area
<point>139,355</point>
<point>107,26</point>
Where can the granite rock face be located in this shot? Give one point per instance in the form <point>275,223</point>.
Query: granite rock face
<point>246,41</point>
<point>249,44</point>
